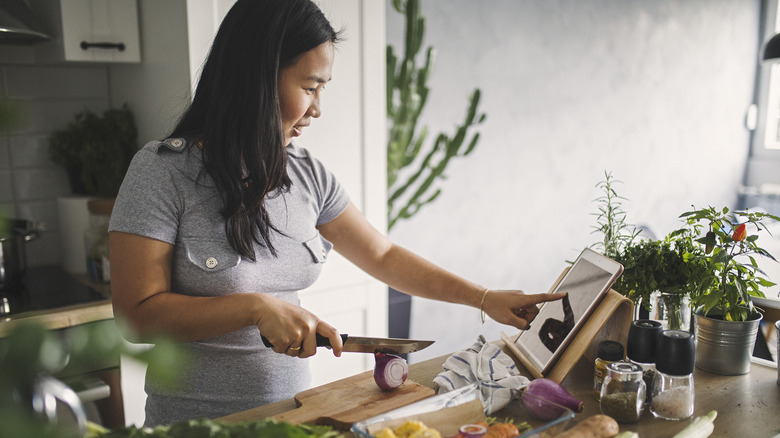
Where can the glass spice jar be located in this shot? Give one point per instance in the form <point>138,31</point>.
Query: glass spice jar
<point>623,392</point>
<point>609,351</point>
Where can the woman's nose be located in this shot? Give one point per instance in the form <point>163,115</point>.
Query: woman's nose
<point>314,109</point>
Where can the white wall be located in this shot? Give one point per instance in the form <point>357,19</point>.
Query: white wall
<point>158,88</point>
<point>654,91</point>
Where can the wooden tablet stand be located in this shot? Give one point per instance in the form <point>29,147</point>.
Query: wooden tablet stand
<point>611,320</point>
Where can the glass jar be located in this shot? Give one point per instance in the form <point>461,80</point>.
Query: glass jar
<point>672,396</point>
<point>648,375</point>
<point>623,392</point>
<point>96,248</point>
<point>673,310</point>
<point>609,351</point>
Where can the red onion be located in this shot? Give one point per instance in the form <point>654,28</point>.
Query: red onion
<point>472,430</point>
<point>390,371</point>
<point>540,392</point>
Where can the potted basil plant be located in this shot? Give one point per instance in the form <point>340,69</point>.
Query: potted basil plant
<point>661,273</point>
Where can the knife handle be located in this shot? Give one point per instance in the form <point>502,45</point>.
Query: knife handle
<point>322,341</point>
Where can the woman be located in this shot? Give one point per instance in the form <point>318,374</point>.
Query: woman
<point>217,227</point>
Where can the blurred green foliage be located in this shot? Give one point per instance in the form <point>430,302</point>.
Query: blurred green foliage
<point>31,351</point>
<point>205,428</point>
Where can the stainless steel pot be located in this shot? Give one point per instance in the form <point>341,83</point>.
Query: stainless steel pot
<point>14,234</point>
<point>47,394</point>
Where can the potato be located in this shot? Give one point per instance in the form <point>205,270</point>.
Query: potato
<point>408,428</point>
<point>595,426</point>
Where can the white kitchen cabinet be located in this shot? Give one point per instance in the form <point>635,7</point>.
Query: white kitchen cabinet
<point>100,30</point>
<point>101,26</point>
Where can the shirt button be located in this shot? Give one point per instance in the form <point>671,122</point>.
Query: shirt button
<point>176,142</point>
<point>211,262</point>
<point>324,254</point>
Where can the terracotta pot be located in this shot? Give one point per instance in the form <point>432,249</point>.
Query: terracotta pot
<point>101,206</point>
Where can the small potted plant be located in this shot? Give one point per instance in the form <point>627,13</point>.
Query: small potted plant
<point>661,271</point>
<point>96,150</point>
<point>727,246</point>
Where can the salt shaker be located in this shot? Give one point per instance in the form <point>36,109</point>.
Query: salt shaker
<point>623,392</point>
<point>640,349</point>
<point>673,390</point>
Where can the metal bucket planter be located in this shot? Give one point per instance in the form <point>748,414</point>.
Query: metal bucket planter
<point>725,347</point>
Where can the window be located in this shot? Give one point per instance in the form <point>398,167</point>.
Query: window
<point>761,188</point>
<point>770,138</point>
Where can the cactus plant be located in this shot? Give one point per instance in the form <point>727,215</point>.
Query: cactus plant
<point>407,93</point>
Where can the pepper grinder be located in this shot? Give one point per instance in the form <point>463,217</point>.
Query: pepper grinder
<point>640,349</point>
<point>673,390</point>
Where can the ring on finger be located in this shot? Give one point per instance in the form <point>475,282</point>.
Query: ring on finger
<point>293,348</point>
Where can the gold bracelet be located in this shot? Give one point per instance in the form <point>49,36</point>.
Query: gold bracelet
<point>481,304</point>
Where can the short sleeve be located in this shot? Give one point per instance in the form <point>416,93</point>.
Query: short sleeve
<point>333,198</point>
<point>148,203</point>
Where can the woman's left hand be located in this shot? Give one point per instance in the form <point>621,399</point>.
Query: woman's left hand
<point>514,307</point>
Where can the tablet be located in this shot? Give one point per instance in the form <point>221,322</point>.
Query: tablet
<point>587,281</point>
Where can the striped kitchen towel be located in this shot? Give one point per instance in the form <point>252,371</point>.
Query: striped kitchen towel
<point>499,380</point>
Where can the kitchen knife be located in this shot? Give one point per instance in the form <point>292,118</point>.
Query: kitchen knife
<point>357,344</point>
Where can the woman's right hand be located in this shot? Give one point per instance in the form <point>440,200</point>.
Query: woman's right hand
<point>292,329</point>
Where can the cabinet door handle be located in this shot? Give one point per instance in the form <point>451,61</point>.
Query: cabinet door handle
<point>87,45</point>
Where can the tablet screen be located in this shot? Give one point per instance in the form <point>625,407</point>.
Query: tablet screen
<point>586,282</point>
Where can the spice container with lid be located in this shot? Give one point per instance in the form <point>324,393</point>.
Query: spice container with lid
<point>609,351</point>
<point>623,392</point>
<point>673,391</point>
<point>640,349</point>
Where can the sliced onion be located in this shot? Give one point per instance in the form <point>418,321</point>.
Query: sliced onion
<point>544,397</point>
<point>472,430</point>
<point>390,371</point>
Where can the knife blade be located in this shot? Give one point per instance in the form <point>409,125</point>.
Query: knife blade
<point>357,344</point>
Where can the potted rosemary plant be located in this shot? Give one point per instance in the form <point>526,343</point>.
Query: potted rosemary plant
<point>616,233</point>
<point>656,272</point>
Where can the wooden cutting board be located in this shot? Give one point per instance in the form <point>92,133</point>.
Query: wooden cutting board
<point>341,403</point>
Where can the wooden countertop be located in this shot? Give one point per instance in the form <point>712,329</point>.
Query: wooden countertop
<point>747,405</point>
<point>63,317</point>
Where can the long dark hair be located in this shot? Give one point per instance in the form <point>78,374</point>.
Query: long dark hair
<point>235,113</point>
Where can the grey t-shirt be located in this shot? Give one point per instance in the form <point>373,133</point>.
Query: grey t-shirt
<point>167,195</point>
